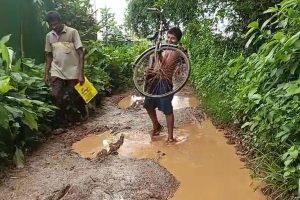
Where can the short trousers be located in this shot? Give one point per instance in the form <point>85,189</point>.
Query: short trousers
<point>163,104</point>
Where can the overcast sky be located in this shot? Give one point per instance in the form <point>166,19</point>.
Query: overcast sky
<point>117,7</point>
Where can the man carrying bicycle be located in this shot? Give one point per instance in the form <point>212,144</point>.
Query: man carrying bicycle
<point>164,104</point>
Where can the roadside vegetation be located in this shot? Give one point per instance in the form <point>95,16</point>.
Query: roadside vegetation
<point>245,67</point>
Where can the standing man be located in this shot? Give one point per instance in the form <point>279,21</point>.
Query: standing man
<point>164,104</point>
<point>64,64</point>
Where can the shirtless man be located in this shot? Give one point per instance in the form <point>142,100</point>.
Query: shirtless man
<point>169,62</point>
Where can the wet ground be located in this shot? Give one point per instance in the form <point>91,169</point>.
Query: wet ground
<point>83,164</point>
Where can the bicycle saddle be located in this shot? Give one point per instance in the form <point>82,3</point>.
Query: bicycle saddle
<point>152,37</point>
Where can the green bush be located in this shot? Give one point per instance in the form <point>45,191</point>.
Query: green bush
<point>268,87</point>
<point>209,56</point>
<point>24,111</point>
<point>259,91</point>
<point>110,66</point>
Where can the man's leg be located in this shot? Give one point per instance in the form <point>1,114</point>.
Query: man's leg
<point>156,125</point>
<point>77,99</point>
<point>150,105</point>
<point>165,105</point>
<point>170,126</point>
<point>57,85</point>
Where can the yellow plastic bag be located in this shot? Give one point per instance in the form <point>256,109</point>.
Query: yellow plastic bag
<point>86,90</point>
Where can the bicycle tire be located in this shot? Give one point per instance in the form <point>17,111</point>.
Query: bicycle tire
<point>146,55</point>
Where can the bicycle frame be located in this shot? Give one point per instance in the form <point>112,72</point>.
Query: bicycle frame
<point>160,31</point>
<point>160,34</point>
<point>161,27</point>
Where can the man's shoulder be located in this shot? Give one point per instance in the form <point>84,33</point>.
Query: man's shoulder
<point>49,33</point>
<point>68,28</point>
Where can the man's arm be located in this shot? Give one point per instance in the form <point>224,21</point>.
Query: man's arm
<point>81,65</point>
<point>79,50</point>
<point>49,58</point>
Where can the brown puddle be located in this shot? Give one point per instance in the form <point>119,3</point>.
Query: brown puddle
<point>206,166</point>
<point>129,101</point>
<point>90,146</point>
<point>178,102</point>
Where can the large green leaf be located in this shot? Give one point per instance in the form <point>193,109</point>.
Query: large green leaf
<point>266,22</point>
<point>250,40</point>
<point>5,39</point>
<point>16,77</point>
<point>4,85</point>
<point>271,10</point>
<point>292,39</point>
<point>30,119</point>
<point>24,101</point>
<point>253,25</point>
<point>278,36</point>
<point>293,89</point>
<point>6,55</point>
<point>15,112</point>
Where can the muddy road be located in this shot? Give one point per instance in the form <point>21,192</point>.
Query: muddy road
<point>113,157</point>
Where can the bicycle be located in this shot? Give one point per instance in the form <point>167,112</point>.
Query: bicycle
<point>154,75</point>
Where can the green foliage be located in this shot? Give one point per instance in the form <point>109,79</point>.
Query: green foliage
<point>110,66</point>
<point>79,15</point>
<point>234,15</point>
<point>209,62</point>
<point>239,13</point>
<point>138,19</point>
<point>109,30</point>
<point>268,87</point>
<point>258,91</point>
<point>24,110</point>
<point>95,59</point>
<point>176,12</point>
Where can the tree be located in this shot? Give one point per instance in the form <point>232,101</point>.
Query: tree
<point>138,20</point>
<point>238,13</point>
<point>176,12</point>
<point>80,15</point>
<point>108,28</point>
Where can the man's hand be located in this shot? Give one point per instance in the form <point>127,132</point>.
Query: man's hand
<point>81,65</point>
<point>47,78</point>
<point>49,59</point>
<point>81,79</point>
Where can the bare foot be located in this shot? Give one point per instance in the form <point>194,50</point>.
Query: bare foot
<point>171,141</point>
<point>157,130</point>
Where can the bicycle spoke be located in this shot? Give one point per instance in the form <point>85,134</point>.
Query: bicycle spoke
<point>162,73</point>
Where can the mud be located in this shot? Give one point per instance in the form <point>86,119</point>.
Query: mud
<point>92,145</point>
<point>199,166</point>
<point>206,167</point>
<point>55,171</point>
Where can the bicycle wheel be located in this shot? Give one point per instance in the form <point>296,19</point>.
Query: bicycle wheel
<point>162,73</point>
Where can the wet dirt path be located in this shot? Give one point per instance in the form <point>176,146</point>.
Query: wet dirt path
<point>206,166</point>
<point>199,166</point>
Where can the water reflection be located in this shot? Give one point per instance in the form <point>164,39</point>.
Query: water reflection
<point>178,102</point>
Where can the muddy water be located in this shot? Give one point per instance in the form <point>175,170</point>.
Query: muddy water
<point>129,101</point>
<point>178,102</point>
<point>90,146</point>
<point>206,166</point>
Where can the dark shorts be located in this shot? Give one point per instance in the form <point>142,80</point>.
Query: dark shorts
<point>163,104</point>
